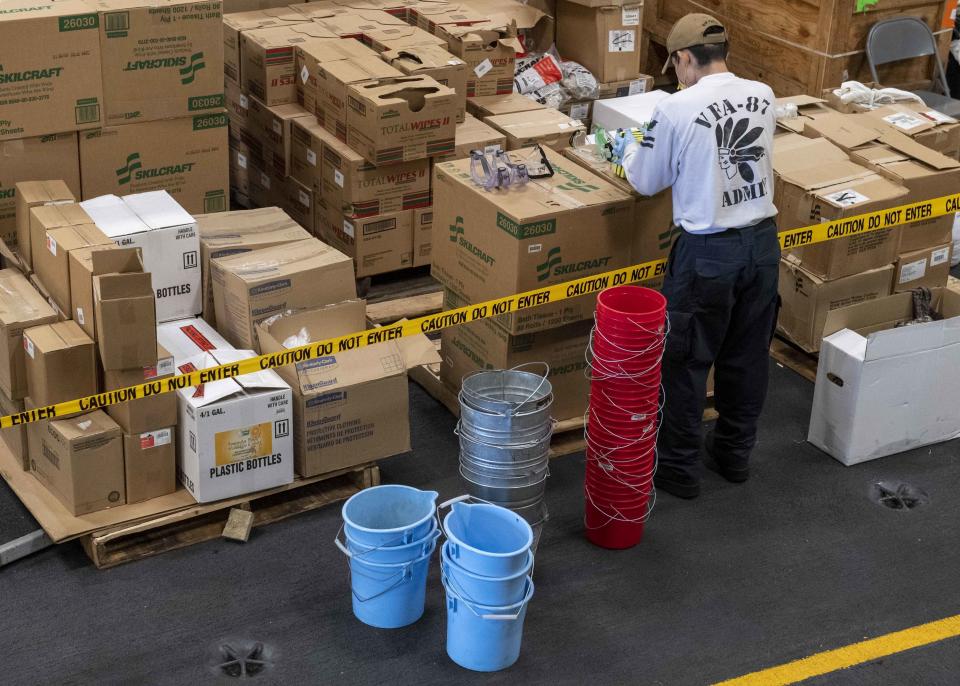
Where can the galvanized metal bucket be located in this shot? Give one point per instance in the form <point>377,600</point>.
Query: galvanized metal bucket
<point>507,391</point>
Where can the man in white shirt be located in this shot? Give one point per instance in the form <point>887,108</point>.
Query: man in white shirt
<point>712,141</point>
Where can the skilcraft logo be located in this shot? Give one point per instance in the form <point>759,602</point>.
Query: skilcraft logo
<point>189,73</point>
<point>456,230</point>
<point>125,173</point>
<point>552,260</point>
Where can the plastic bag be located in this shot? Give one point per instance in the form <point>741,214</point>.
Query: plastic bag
<point>551,95</point>
<point>535,76</point>
<point>579,82</point>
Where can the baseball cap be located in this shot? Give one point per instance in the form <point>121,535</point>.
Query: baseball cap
<point>692,30</point>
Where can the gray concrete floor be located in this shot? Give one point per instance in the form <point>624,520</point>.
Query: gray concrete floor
<point>795,561</point>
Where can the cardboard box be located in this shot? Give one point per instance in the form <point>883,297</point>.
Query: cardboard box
<point>816,181</point>
<point>632,111</point>
<point>488,245</point>
<point>150,464</point>
<point>602,35</point>
<point>268,59</point>
<point>56,156</point>
<point>402,38</point>
<point>61,363</point>
<point>473,134</point>
<point>353,22</point>
<point>927,268</point>
<point>621,89</point>
<point>145,413</point>
<point>349,183</point>
<point>538,127</point>
<point>249,287</point>
<point>490,53</point>
<point>508,103</point>
<point>231,233</point>
<point>31,194</point>
<point>55,231</point>
<point>168,241</point>
<point>83,266</point>
<point>422,236</point>
<point>351,407</point>
<point>80,461</point>
<point>235,23</point>
<point>296,200</point>
<point>924,181</point>
<point>186,157</point>
<point>311,55</point>
<point>126,316</point>
<point>882,390</point>
<point>15,437</point>
<point>160,60</point>
<point>22,307</point>
<point>438,64</point>
<point>379,244</point>
<point>655,231</point>
<point>235,434</point>
<point>51,68</point>
<point>807,299</point>
<point>925,125</point>
<point>333,82</point>
<point>484,345</point>
<point>397,120</point>
<point>809,109</point>
<point>272,126</point>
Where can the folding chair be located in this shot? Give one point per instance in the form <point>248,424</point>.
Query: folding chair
<point>904,38</point>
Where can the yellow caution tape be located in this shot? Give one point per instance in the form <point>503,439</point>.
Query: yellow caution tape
<point>793,238</point>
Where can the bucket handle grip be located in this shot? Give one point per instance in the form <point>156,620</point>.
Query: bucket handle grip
<point>496,617</point>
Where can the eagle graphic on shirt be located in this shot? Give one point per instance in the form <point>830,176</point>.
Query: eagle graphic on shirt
<point>735,150</point>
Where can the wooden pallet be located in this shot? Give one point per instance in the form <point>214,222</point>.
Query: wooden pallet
<point>567,433</point>
<point>793,358</point>
<point>136,540</point>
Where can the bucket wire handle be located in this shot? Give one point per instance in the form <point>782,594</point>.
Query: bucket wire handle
<point>498,617</point>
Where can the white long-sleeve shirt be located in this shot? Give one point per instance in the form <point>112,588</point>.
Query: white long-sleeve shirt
<point>713,143</point>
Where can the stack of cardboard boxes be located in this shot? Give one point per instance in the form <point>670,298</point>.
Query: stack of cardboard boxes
<point>338,112</point>
<point>830,165</point>
<point>112,96</point>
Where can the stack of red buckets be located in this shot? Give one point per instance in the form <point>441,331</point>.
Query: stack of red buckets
<point>625,355</point>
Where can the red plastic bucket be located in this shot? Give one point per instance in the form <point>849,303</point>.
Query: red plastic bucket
<point>619,488</point>
<point>637,409</point>
<point>607,532</point>
<point>632,304</point>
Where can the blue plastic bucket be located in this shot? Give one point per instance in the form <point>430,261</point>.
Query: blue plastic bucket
<point>485,590</point>
<point>389,515</point>
<point>388,555</point>
<point>484,638</point>
<point>389,596</point>
<point>487,540</point>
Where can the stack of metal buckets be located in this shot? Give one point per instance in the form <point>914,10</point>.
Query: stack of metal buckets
<point>505,429</point>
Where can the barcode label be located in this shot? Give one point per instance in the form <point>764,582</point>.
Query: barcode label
<point>28,346</point>
<point>348,228</point>
<point>215,203</point>
<point>379,227</point>
<point>87,114</point>
<point>338,177</point>
<point>52,245</point>
<point>312,158</point>
<point>244,101</point>
<point>242,160</point>
<point>117,21</point>
<point>80,318</point>
<point>304,199</point>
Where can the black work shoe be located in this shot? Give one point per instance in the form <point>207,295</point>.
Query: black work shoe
<point>676,483</point>
<point>735,474</point>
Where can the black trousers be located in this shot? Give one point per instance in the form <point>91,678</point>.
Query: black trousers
<point>721,292</point>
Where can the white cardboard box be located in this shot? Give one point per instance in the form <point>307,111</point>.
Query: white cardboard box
<point>631,111</point>
<point>235,435</point>
<point>166,235</point>
<point>883,390</point>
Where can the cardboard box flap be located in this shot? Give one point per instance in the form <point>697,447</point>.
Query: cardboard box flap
<point>418,351</point>
<point>355,70</point>
<point>606,3</point>
<point>843,129</point>
<point>256,19</point>
<point>901,118</point>
<point>119,260</point>
<point>800,100</point>
<point>158,209</point>
<point>61,215</point>
<point>226,227</point>
<point>535,122</point>
<point>117,286</point>
<point>212,391</point>
<point>488,34</point>
<point>887,311</point>
<point>58,336</point>
<point>912,339</point>
<point>919,152</point>
<point>263,379</point>
<point>825,175</point>
<point>19,301</point>
<point>113,216</point>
